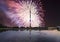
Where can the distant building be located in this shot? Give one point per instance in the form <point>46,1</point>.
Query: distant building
<point>52,28</point>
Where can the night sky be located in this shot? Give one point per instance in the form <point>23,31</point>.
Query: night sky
<point>52,14</point>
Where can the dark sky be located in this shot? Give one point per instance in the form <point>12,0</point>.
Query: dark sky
<point>52,16</point>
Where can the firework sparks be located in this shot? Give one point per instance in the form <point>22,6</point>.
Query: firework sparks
<point>20,12</point>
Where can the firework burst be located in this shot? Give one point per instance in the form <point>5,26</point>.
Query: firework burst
<point>23,13</point>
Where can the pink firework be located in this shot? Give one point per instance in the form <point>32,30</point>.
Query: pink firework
<point>24,13</point>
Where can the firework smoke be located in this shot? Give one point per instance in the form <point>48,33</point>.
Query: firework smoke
<point>23,13</point>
